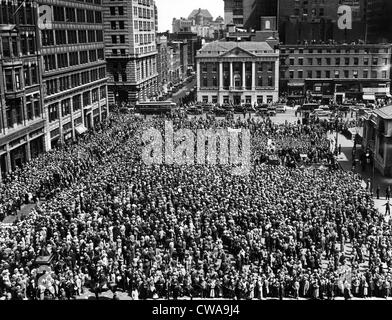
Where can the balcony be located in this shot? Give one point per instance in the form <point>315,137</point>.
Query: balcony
<point>237,89</point>
<point>12,62</point>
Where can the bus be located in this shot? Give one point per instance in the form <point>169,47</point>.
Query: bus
<point>155,107</point>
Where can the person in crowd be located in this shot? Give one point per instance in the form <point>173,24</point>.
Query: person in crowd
<point>168,231</point>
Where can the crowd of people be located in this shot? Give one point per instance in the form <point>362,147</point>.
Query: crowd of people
<point>109,222</point>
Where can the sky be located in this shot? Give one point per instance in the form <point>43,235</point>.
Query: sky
<point>169,9</point>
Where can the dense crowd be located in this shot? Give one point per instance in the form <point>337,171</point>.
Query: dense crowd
<point>111,222</point>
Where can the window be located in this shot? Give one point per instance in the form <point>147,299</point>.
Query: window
<point>346,73</point>
<point>337,74</point>
<point>365,74</point>
<point>310,74</point>
<point>337,61</point>
<point>300,74</point>
<point>291,73</point>
<point>310,61</point>
<point>328,74</point>
<point>301,61</point>
<point>318,74</point>
<point>366,61</point>
<point>205,99</point>
<point>384,74</point>
<point>291,61</point>
<point>355,74</point>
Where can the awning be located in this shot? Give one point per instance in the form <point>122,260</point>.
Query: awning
<point>81,129</point>
<point>296,84</point>
<point>369,96</point>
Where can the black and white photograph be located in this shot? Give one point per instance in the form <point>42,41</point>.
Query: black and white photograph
<point>198,158</point>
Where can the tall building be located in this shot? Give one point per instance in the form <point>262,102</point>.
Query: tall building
<point>247,13</point>
<point>74,69</point>
<point>335,72</point>
<point>162,63</point>
<point>131,51</point>
<point>22,120</point>
<point>378,19</point>
<point>234,12</point>
<point>237,72</point>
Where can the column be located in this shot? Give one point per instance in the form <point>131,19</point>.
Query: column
<point>198,75</point>
<point>28,150</point>
<point>243,75</point>
<point>277,78</point>
<point>231,75</point>
<point>253,75</point>
<point>221,76</point>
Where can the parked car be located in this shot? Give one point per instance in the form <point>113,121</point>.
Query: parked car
<point>194,110</point>
<point>239,109</point>
<point>271,111</point>
<point>322,113</point>
<point>220,112</point>
<point>281,108</point>
<point>262,110</point>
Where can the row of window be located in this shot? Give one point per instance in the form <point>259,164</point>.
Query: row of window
<point>61,37</point>
<point>238,82</point>
<point>75,80</point>
<point>144,13</point>
<point>143,25</point>
<point>237,67</point>
<point>64,108</point>
<point>65,60</point>
<point>15,113</point>
<point>24,15</point>
<point>13,78</point>
<point>68,14</point>
<point>330,50</point>
<point>374,74</point>
<point>145,39</point>
<point>13,47</point>
<point>338,61</point>
<point>248,99</point>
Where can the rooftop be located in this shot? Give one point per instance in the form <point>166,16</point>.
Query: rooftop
<point>218,48</point>
<point>204,12</point>
<point>385,113</point>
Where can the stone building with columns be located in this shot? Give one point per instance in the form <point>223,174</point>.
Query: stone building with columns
<point>237,73</point>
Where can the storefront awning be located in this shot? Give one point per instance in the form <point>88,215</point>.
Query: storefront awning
<point>296,84</point>
<point>81,129</point>
<point>369,96</point>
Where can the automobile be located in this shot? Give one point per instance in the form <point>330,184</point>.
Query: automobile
<point>344,108</point>
<point>325,107</point>
<point>239,109</point>
<point>228,108</point>
<point>262,109</point>
<point>281,108</point>
<point>194,110</point>
<point>219,111</point>
<point>271,111</point>
<point>322,113</point>
<point>208,108</point>
<point>250,108</point>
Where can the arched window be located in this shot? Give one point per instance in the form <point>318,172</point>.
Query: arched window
<point>267,25</point>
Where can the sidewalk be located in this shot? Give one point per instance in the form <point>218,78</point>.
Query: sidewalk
<point>345,159</point>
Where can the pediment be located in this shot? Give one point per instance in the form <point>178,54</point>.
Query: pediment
<point>238,53</point>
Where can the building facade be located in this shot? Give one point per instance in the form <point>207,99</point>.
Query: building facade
<point>237,73</point>
<point>74,69</point>
<point>130,48</point>
<point>377,138</point>
<point>335,72</point>
<point>22,119</point>
<point>162,64</point>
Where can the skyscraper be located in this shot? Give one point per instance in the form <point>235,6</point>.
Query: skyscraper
<point>74,69</point>
<point>22,122</point>
<point>131,51</point>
